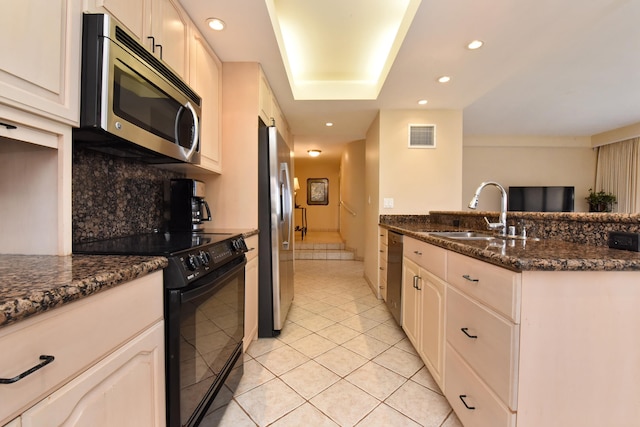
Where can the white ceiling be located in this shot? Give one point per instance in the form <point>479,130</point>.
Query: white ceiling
<point>548,67</point>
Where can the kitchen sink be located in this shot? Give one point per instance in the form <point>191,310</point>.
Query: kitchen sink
<point>462,235</point>
<point>474,235</point>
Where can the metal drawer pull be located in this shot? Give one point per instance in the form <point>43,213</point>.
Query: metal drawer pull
<point>469,278</point>
<point>464,331</point>
<point>417,252</point>
<point>8,126</point>
<point>462,396</point>
<point>415,282</point>
<point>45,361</point>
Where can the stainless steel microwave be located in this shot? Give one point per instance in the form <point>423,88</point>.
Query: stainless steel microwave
<point>132,104</point>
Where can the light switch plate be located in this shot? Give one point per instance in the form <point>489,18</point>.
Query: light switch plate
<point>388,203</point>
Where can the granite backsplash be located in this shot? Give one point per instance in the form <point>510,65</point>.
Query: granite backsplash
<point>114,196</point>
<point>577,227</point>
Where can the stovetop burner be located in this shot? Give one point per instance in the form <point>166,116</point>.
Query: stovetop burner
<point>166,244</point>
<point>191,255</point>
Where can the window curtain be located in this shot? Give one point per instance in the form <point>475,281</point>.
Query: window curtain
<point>618,172</point>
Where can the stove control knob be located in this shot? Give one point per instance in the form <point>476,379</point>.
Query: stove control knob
<point>205,258</point>
<point>192,262</point>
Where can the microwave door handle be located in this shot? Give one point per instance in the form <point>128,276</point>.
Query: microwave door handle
<point>206,206</point>
<point>196,129</point>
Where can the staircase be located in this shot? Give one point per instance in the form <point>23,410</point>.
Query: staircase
<point>322,246</point>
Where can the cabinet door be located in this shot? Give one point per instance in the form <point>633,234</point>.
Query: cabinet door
<point>170,29</point>
<point>251,301</point>
<point>206,80</point>
<point>131,13</point>
<point>264,100</point>
<point>40,45</point>
<point>432,335</point>
<point>124,389</point>
<point>410,294</point>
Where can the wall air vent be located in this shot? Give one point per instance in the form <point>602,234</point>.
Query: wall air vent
<point>422,136</point>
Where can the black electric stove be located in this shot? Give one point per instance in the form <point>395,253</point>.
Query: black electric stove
<point>205,279</point>
<point>191,255</point>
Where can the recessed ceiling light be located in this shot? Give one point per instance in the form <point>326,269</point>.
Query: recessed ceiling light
<point>314,153</point>
<point>444,79</point>
<point>216,24</point>
<point>476,44</point>
<point>423,102</point>
<point>329,124</point>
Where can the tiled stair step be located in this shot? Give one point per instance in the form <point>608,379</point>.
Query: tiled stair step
<point>335,254</point>
<point>319,246</point>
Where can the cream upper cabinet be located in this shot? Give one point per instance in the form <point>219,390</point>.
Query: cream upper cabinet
<point>264,100</point>
<point>170,35</point>
<point>162,26</point>
<point>40,62</point>
<point>133,14</point>
<point>206,80</point>
<point>423,303</point>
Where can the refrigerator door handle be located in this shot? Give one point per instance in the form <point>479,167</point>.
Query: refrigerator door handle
<point>285,200</point>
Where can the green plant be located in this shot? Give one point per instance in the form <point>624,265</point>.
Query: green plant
<point>600,201</point>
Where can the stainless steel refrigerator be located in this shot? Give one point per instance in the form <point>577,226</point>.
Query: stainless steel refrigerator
<point>275,222</point>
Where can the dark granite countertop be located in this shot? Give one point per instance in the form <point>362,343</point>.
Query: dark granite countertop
<point>522,255</point>
<point>32,284</point>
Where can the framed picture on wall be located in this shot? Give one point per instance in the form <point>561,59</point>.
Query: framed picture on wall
<point>317,191</point>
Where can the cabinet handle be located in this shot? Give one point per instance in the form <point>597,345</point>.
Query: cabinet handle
<point>417,252</point>
<point>415,282</point>
<point>153,43</point>
<point>8,126</point>
<point>382,268</point>
<point>462,396</point>
<point>464,331</point>
<point>160,47</point>
<point>45,361</point>
<point>469,278</point>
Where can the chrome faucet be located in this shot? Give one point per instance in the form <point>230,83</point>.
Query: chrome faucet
<point>502,225</point>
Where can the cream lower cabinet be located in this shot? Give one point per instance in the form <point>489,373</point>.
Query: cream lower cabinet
<point>251,292</point>
<point>541,348</point>
<point>382,263</point>
<point>121,390</point>
<point>423,303</point>
<point>108,366</point>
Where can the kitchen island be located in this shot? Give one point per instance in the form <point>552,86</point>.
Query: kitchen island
<point>522,332</point>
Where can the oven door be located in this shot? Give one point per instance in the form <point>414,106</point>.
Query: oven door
<point>204,330</point>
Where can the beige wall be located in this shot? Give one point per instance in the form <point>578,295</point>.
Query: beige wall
<point>372,190</point>
<point>420,180</point>
<point>319,217</point>
<point>526,160</point>
<point>233,195</point>
<point>352,183</point>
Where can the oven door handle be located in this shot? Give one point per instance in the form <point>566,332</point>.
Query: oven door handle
<point>201,290</point>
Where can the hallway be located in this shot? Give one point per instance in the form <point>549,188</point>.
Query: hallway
<point>339,361</point>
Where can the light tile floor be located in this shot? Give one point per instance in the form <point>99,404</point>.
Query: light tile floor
<point>340,361</point>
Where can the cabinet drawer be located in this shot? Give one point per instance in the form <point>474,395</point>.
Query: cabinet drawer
<point>497,287</point>
<point>383,232</point>
<point>77,335</point>
<point>252,244</point>
<point>429,257</point>
<point>384,252</point>
<point>460,380</point>
<point>493,354</point>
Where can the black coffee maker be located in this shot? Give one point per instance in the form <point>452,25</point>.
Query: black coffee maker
<point>187,208</point>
